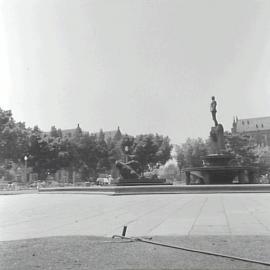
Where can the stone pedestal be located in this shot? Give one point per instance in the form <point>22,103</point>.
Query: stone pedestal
<point>217,143</point>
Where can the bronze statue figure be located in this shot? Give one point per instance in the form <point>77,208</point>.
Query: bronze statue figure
<point>213,109</point>
<point>129,170</point>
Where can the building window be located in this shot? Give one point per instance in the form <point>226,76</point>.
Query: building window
<point>243,122</point>
<point>256,126</point>
<point>262,125</point>
<point>248,122</point>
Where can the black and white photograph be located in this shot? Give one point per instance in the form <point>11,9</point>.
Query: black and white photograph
<point>134,134</point>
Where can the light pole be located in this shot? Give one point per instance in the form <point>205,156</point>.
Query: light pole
<point>126,152</point>
<point>25,168</point>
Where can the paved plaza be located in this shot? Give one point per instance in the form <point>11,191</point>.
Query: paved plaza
<point>41,215</point>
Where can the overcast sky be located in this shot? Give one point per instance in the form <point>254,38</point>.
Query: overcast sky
<point>146,66</point>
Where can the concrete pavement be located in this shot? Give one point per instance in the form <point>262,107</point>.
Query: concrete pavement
<point>40,215</point>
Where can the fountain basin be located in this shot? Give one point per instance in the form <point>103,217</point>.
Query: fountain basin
<point>217,160</point>
<point>215,175</point>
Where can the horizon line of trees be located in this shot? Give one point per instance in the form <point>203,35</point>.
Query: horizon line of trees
<point>82,152</point>
<point>91,154</point>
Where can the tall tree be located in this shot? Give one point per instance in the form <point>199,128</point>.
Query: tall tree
<point>13,137</point>
<point>103,163</point>
<point>191,153</point>
<point>54,132</point>
<point>241,147</point>
<point>39,152</point>
<point>164,149</point>
<point>101,136</point>
<point>151,149</point>
<point>114,151</point>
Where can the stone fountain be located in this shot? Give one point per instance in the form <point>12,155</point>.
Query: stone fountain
<point>218,166</point>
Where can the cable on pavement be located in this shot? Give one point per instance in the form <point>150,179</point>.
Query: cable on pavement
<point>144,240</point>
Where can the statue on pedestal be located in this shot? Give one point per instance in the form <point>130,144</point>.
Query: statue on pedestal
<point>213,110</point>
<point>217,132</point>
<point>218,166</point>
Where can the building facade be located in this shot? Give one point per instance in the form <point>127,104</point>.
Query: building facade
<point>257,129</point>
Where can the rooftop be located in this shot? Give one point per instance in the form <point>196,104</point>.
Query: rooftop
<point>253,124</point>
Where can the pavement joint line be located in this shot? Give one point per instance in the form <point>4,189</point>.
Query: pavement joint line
<point>225,214</point>
<point>174,210</point>
<point>256,218</point>
<point>98,215</point>
<point>134,220</point>
<point>199,213</point>
<point>63,217</point>
<point>151,229</point>
<point>247,212</point>
<point>87,218</point>
<point>145,214</point>
<point>260,203</point>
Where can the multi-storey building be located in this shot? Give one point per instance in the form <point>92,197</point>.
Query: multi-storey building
<point>256,128</point>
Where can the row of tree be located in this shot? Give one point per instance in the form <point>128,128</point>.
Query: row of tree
<point>88,154</point>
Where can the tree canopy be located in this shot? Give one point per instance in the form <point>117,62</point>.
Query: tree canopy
<point>88,154</point>
<point>242,148</point>
<point>191,153</point>
<point>148,149</point>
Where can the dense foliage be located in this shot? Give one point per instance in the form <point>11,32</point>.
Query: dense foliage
<point>87,154</point>
<point>242,148</point>
<point>190,153</point>
<point>147,149</point>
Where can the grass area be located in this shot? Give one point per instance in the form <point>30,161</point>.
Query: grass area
<point>86,252</point>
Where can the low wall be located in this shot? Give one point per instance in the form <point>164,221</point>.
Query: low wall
<point>181,189</point>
